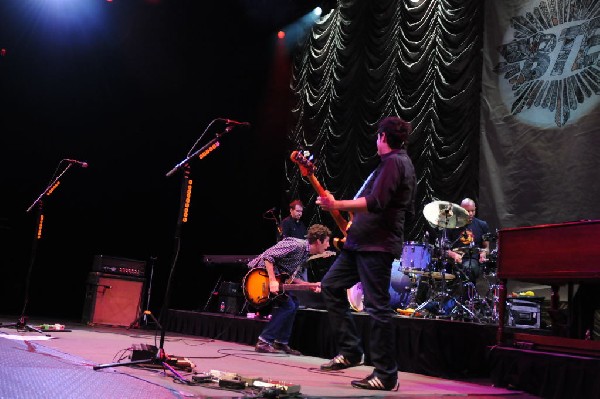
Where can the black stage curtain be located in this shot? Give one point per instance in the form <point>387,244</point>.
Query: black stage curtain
<point>369,59</point>
<point>503,96</point>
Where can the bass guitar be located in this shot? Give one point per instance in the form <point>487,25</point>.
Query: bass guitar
<point>307,169</point>
<point>256,287</point>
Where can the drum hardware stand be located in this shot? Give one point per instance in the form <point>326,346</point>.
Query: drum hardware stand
<point>436,298</point>
<point>471,309</point>
<point>412,297</point>
<point>441,295</point>
<point>491,300</point>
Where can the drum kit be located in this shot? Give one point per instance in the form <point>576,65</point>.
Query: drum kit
<point>426,282</point>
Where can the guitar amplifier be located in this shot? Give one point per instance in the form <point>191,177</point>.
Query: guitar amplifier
<point>112,300</point>
<point>121,266</point>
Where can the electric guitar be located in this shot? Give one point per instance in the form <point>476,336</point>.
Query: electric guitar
<point>325,254</point>
<point>307,169</point>
<point>256,287</point>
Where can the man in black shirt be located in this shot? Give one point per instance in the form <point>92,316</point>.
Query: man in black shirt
<point>373,241</point>
<point>292,226</point>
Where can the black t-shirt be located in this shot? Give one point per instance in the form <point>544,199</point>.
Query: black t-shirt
<point>469,235</point>
<point>291,227</point>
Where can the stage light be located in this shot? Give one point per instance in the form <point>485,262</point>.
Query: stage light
<point>318,11</point>
<point>281,34</point>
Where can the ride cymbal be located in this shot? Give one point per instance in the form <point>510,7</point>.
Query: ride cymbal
<point>445,215</point>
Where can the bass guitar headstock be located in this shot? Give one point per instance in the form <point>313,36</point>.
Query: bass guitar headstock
<point>304,161</point>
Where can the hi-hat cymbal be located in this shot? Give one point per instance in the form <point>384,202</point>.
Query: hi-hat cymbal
<point>445,215</point>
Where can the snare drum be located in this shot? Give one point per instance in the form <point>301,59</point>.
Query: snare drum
<point>416,256</point>
<point>400,289</point>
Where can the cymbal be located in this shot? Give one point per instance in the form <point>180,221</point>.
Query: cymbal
<point>445,215</point>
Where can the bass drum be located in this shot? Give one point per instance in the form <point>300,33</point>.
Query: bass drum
<point>400,290</point>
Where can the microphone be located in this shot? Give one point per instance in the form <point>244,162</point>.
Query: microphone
<point>80,163</point>
<point>232,122</point>
<point>271,210</point>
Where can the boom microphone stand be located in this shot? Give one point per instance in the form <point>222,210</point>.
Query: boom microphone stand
<point>184,203</point>
<point>21,323</point>
<point>161,357</point>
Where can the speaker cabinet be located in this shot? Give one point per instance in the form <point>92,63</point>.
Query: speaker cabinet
<point>231,297</point>
<point>112,300</point>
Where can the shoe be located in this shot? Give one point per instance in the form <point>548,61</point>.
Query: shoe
<point>338,363</point>
<point>286,348</point>
<point>375,383</point>
<point>265,347</point>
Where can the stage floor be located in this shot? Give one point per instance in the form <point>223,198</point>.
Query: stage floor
<point>62,366</point>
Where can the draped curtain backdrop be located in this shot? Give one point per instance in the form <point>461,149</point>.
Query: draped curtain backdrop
<point>420,60</point>
<point>540,112</point>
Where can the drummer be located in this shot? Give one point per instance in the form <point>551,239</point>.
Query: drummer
<point>469,250</point>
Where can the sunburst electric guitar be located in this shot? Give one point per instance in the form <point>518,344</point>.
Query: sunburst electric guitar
<point>307,169</point>
<point>257,291</point>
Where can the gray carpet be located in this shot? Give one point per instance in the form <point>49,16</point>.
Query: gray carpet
<point>29,370</point>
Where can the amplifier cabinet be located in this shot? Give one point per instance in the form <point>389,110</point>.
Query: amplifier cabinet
<point>122,266</point>
<point>231,297</point>
<point>112,300</point>
<point>524,312</point>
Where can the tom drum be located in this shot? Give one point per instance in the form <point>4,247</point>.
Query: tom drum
<point>416,256</point>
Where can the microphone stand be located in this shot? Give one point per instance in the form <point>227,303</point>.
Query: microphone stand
<point>21,323</point>
<point>277,221</point>
<point>161,358</point>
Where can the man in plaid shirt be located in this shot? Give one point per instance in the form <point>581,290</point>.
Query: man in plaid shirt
<point>287,257</point>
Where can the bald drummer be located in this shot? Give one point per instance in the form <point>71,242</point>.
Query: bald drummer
<point>469,248</point>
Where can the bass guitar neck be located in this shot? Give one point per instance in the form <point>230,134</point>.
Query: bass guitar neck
<point>341,222</point>
<point>307,169</point>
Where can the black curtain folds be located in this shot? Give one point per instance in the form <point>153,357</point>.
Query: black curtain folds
<point>365,60</point>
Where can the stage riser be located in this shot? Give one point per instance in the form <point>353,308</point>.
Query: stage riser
<point>439,348</point>
<point>545,374</point>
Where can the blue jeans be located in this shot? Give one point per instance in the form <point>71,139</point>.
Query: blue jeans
<point>279,328</point>
<point>373,270</point>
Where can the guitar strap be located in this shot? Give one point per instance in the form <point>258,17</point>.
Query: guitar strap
<point>293,276</point>
<point>296,271</point>
<point>362,188</point>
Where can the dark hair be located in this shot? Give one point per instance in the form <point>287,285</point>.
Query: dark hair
<point>296,202</point>
<point>396,131</point>
<point>318,232</point>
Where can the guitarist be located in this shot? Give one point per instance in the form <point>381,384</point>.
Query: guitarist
<point>373,241</point>
<point>287,257</point>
